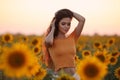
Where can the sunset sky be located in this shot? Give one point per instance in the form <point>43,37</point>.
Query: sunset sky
<point>34,16</point>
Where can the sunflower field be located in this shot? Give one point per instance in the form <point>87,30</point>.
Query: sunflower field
<point>21,58</point>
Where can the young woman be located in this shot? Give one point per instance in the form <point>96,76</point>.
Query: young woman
<point>59,49</point>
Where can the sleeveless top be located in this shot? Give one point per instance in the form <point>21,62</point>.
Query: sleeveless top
<point>63,52</point>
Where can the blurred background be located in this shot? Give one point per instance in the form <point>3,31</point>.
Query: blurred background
<point>34,16</point>
<point>22,23</point>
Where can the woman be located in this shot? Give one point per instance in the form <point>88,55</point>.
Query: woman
<point>59,49</point>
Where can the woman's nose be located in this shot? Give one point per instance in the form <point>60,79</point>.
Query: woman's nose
<point>66,25</point>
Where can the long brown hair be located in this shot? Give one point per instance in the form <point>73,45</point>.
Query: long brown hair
<point>60,14</point>
<point>46,56</point>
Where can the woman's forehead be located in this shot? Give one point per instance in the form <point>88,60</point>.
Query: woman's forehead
<point>66,20</point>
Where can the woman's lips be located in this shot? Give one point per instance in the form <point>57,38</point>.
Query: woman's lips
<point>66,29</point>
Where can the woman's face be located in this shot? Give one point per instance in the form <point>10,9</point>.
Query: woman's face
<point>64,25</point>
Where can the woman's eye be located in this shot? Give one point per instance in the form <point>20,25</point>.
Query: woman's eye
<point>63,23</point>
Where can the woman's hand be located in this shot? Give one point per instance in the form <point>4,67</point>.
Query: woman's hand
<point>53,24</point>
<point>78,17</point>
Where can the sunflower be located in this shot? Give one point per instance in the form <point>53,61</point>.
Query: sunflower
<point>40,74</point>
<point>117,72</point>
<point>113,60</point>
<point>7,38</point>
<point>65,77</point>
<point>104,46</point>
<point>24,38</point>
<point>37,49</point>
<point>111,41</point>
<point>36,42</point>
<point>17,59</point>
<point>33,69</point>
<point>77,60</point>
<point>90,68</point>
<point>97,45</point>
<point>115,54</point>
<point>102,56</point>
<point>86,53</point>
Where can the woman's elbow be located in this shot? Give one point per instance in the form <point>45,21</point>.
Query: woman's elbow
<point>83,19</point>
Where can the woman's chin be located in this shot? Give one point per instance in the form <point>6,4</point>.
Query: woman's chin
<point>64,32</point>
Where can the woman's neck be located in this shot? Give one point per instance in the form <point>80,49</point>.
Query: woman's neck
<point>61,35</point>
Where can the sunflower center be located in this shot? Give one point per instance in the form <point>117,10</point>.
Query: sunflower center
<point>101,57</point>
<point>112,59</point>
<point>24,38</point>
<point>34,42</point>
<point>86,53</point>
<point>104,46</point>
<point>16,59</point>
<point>7,38</point>
<point>36,50</point>
<point>91,70</point>
<point>97,44</point>
<point>111,41</point>
<point>114,54</point>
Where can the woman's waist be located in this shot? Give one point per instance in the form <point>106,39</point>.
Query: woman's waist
<point>63,55</point>
<point>68,70</point>
<point>64,59</point>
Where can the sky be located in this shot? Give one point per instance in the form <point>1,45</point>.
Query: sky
<point>34,16</point>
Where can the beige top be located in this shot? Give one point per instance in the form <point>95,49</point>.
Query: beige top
<point>63,52</point>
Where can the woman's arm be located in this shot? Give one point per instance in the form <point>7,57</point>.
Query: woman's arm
<point>49,38</point>
<point>80,25</point>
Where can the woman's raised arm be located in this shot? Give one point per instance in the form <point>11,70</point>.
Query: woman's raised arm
<point>49,38</point>
<point>80,25</point>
